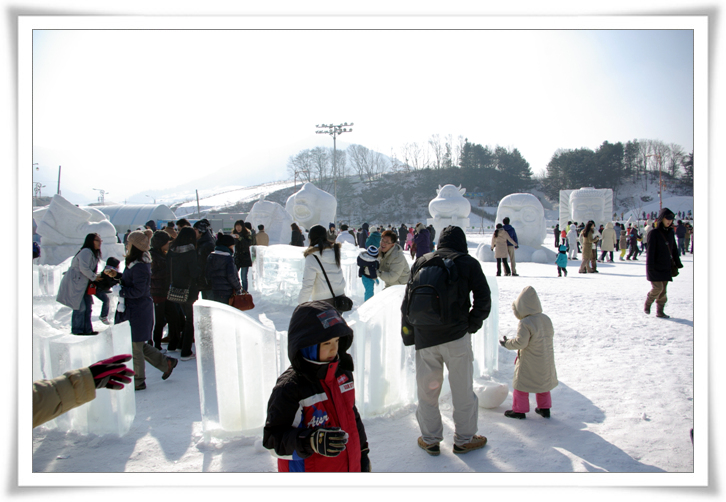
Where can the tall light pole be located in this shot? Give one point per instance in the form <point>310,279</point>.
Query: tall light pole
<point>660,178</point>
<point>334,131</point>
<point>101,197</point>
<point>152,198</point>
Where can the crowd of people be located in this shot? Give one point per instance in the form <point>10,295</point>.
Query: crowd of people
<point>312,422</point>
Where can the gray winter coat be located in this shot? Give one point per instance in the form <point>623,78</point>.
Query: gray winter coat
<point>394,269</point>
<point>75,281</point>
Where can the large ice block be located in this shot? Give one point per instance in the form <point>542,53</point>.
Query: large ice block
<point>485,342</point>
<point>54,353</point>
<point>277,272</point>
<point>47,278</point>
<point>237,367</point>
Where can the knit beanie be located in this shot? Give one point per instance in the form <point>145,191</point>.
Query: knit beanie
<point>372,251</point>
<point>159,239</point>
<point>141,239</point>
<point>225,240</point>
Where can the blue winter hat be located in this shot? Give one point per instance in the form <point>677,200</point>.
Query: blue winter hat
<point>372,251</point>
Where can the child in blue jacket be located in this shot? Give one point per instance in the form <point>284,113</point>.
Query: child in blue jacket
<point>561,261</point>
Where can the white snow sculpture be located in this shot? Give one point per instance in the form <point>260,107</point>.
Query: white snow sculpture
<point>449,207</point>
<point>526,215</point>
<point>55,352</point>
<point>311,206</point>
<point>276,220</point>
<point>63,228</point>
<point>586,204</point>
<point>492,394</point>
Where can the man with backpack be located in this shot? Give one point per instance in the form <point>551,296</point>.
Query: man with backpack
<point>439,319</point>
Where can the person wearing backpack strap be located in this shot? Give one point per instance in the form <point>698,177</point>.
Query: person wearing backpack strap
<point>439,319</point>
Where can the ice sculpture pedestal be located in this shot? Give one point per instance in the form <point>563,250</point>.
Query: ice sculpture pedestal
<point>54,353</point>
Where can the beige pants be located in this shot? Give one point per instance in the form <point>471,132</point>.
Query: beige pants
<point>512,263</point>
<point>141,352</point>
<point>658,293</point>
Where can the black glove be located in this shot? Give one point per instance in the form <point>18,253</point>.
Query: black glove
<point>329,442</point>
<point>365,462</point>
<point>503,341</point>
<point>112,373</point>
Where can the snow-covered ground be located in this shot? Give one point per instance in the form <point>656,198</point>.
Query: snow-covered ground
<point>625,404</point>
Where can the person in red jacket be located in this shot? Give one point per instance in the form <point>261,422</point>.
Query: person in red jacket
<point>312,423</point>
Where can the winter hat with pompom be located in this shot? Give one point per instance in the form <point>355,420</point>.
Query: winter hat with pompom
<point>141,239</point>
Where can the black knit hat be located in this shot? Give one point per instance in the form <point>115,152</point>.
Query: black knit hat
<point>225,240</point>
<point>159,239</point>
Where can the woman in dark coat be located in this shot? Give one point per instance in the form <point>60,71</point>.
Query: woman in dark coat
<point>296,238</point>
<point>136,291</point>
<point>660,257</point>
<point>165,312</point>
<point>184,272</point>
<point>221,270</point>
<point>242,257</point>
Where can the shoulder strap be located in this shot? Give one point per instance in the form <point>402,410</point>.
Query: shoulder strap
<point>326,275</point>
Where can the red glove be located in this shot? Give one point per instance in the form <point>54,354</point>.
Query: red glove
<point>111,373</point>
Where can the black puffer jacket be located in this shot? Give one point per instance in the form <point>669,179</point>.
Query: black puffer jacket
<point>242,257</point>
<point>452,244</point>
<point>658,256</point>
<point>205,245</point>
<point>222,273</point>
<point>184,269</point>
<point>159,274</point>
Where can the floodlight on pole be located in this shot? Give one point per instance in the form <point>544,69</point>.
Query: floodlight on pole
<point>101,197</point>
<point>334,131</point>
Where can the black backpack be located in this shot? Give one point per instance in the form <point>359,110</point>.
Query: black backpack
<point>431,292</point>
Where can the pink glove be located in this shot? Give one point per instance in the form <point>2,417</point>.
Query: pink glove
<point>111,373</point>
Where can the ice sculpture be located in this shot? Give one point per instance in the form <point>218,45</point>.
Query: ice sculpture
<point>238,365</point>
<point>449,208</point>
<point>63,228</point>
<point>276,220</point>
<point>526,215</point>
<point>277,272</point>
<point>311,206</point>
<point>55,352</point>
<point>586,204</point>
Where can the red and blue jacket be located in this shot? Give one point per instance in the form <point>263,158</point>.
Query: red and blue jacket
<point>310,395</point>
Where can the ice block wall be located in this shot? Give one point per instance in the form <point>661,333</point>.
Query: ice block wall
<point>237,366</point>
<point>47,278</point>
<point>55,352</point>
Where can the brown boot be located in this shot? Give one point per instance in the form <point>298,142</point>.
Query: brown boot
<point>648,303</point>
<point>659,311</point>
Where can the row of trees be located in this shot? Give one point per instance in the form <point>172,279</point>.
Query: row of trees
<point>612,163</point>
<point>498,171</point>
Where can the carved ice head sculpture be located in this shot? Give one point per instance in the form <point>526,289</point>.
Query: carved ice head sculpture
<point>450,203</point>
<point>311,206</point>
<point>275,219</point>
<point>591,204</point>
<point>526,215</point>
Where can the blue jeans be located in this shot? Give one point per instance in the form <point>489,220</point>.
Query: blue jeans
<point>105,304</point>
<point>682,246</point>
<point>243,277</point>
<point>81,318</point>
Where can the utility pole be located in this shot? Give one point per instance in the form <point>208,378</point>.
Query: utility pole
<point>334,131</point>
<point>660,178</point>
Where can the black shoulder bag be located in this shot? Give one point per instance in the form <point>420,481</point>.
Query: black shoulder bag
<point>342,302</point>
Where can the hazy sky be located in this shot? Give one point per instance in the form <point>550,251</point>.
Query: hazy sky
<point>127,110</point>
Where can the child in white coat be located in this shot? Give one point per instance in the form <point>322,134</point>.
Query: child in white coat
<point>534,369</point>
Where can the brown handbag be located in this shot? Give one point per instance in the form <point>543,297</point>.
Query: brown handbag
<point>242,302</point>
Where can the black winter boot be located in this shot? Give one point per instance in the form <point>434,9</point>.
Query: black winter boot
<point>545,412</point>
<point>514,414</point>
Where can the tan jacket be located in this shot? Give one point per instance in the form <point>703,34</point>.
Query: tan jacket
<point>262,238</point>
<point>535,367</point>
<point>499,244</point>
<point>52,398</point>
<point>394,269</point>
<point>607,242</point>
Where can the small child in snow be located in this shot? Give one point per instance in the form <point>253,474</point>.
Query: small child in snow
<point>534,369</point>
<point>561,261</point>
<point>108,279</point>
<point>312,423</point>
<point>367,265</point>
